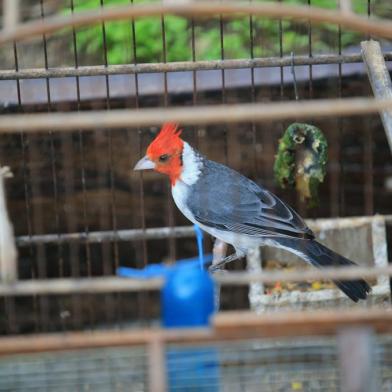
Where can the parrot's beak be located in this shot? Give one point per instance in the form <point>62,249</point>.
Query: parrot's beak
<point>144,164</point>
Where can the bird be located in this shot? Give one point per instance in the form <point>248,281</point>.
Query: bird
<point>236,210</point>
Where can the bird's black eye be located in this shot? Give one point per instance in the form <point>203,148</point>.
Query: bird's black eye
<point>164,158</point>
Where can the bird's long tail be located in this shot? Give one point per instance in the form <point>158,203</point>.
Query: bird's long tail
<point>320,256</point>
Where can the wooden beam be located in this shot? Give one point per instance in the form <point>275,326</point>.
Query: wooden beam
<point>333,273</point>
<point>115,284</point>
<point>157,366</point>
<point>99,339</point>
<point>92,285</point>
<point>10,14</point>
<point>212,114</point>
<point>380,80</point>
<point>357,360</point>
<point>373,26</point>
<point>225,326</point>
<point>326,322</point>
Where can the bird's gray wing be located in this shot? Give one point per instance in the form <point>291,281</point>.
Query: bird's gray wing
<point>226,200</point>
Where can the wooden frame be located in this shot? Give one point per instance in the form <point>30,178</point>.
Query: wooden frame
<point>353,325</point>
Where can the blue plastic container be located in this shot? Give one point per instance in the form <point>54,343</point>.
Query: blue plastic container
<point>187,298</point>
<point>188,301</point>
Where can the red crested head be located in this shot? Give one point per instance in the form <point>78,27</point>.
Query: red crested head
<point>164,154</point>
<point>167,141</point>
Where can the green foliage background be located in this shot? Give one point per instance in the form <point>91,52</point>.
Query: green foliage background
<point>147,34</point>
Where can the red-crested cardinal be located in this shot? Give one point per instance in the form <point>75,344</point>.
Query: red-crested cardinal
<point>235,209</point>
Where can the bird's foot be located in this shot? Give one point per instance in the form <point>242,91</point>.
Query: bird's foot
<point>221,263</point>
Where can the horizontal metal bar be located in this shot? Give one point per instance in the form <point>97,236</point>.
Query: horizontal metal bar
<point>102,236</point>
<point>372,26</point>
<point>78,286</point>
<point>114,284</point>
<point>226,326</point>
<point>340,273</point>
<point>95,70</point>
<point>211,114</point>
<point>177,232</point>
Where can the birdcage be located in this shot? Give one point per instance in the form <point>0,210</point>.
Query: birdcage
<point>84,88</point>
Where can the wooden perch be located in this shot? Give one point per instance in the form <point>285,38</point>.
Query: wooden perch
<point>8,253</point>
<point>380,80</point>
<point>241,325</point>
<point>206,114</point>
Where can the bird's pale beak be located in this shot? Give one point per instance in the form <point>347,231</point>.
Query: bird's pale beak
<point>144,164</point>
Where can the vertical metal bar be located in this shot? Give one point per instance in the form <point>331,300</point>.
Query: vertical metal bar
<point>226,135</point>
<point>270,138</point>
<point>105,137</point>
<point>334,166</point>
<point>340,191</point>
<point>38,223</point>
<point>170,206</point>
<point>280,29</point>
<point>142,297</point>
<point>140,134</point>
<point>369,13</point>
<point>196,128</point>
<point>194,74</point>
<point>110,150</point>
<point>303,211</point>
<point>254,259</point>
<point>54,174</point>
<point>368,186</point>
<point>357,360</point>
<point>310,45</point>
<point>253,95</point>
<point>194,77</point>
<point>70,222</point>
<point>223,78</point>
<point>53,154</point>
<point>368,145</point>
<point>27,195</point>
<point>74,272</point>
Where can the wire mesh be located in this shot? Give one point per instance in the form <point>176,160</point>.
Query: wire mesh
<point>80,182</point>
<point>101,370</point>
<point>306,364</point>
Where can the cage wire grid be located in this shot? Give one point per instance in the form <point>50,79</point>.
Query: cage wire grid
<point>276,364</point>
<point>310,364</point>
<point>74,260</point>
